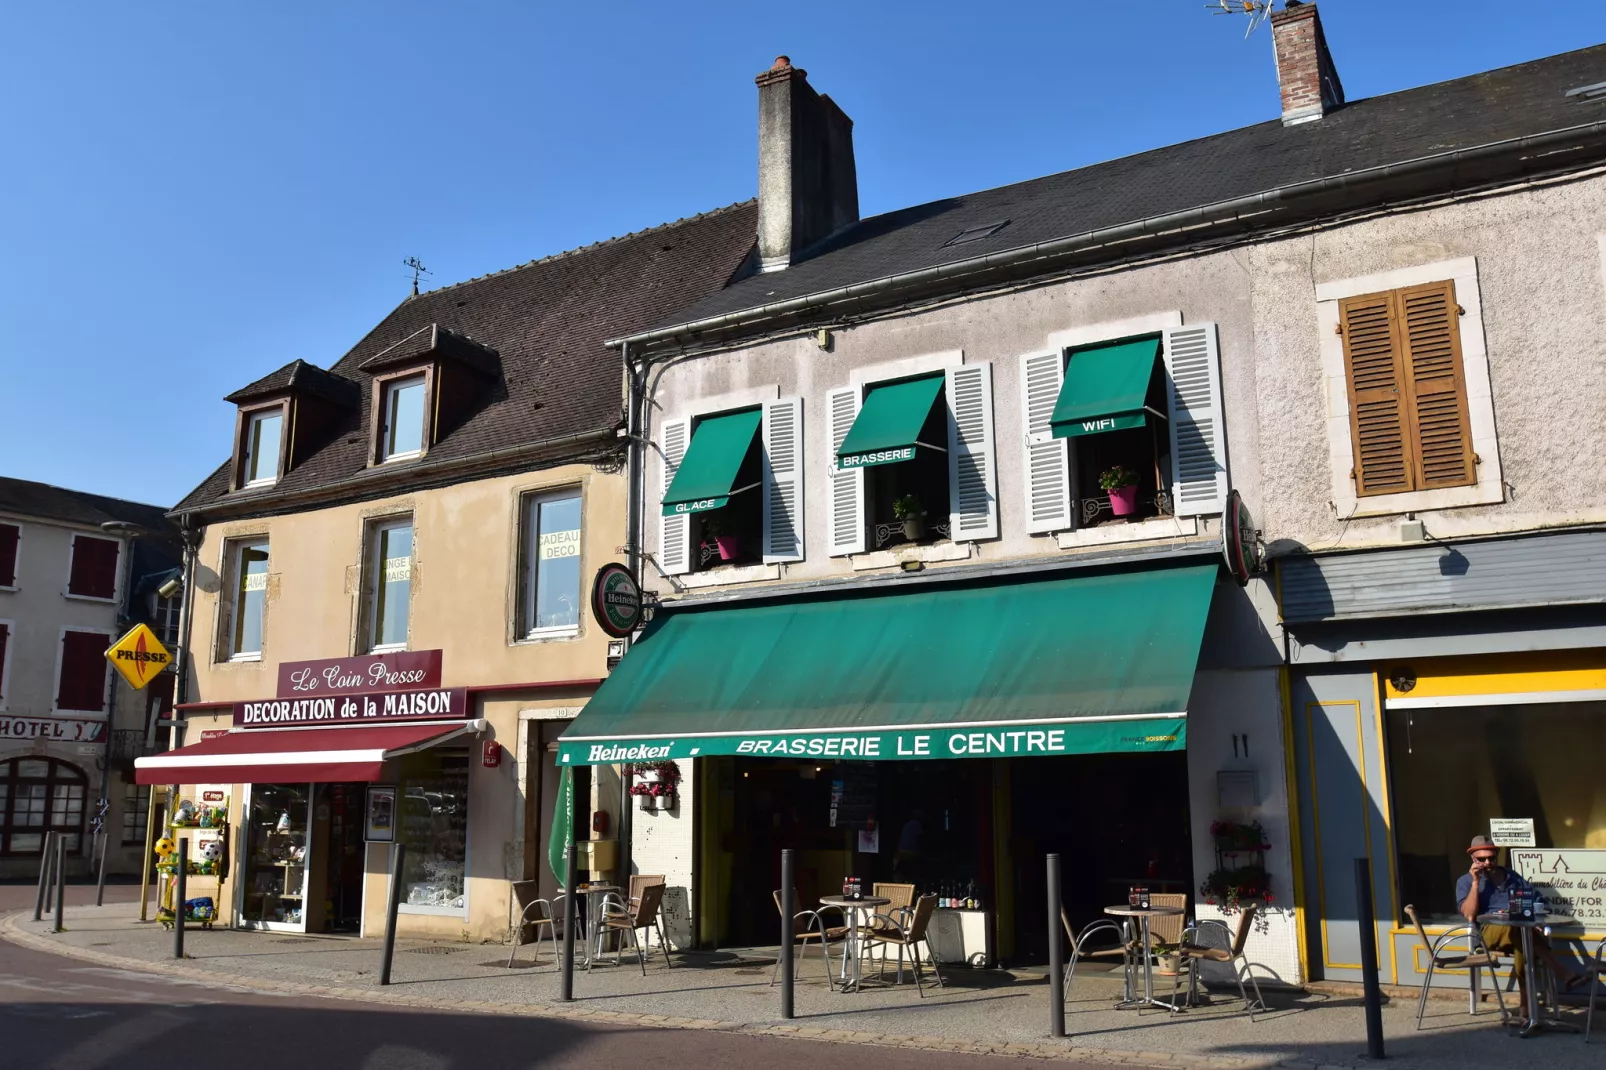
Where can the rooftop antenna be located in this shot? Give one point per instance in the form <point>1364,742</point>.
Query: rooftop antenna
<point>1257,10</point>
<point>418,269</point>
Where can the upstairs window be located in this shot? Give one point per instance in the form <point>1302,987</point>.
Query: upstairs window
<point>389,584</point>
<point>249,598</point>
<point>264,440</point>
<point>93,573</point>
<point>549,596</point>
<point>401,435</point>
<point>10,537</point>
<point>81,671</point>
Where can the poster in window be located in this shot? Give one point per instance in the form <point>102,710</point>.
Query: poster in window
<point>381,811</point>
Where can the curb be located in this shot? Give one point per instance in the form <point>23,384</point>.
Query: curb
<point>1060,1051</point>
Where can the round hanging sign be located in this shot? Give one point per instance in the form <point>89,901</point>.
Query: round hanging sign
<point>616,600</point>
<point>1240,540</point>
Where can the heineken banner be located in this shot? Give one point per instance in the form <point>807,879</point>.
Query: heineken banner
<point>562,826</point>
<point>1086,736</point>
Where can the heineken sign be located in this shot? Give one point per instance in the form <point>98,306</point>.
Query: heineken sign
<point>1141,734</point>
<point>616,600</point>
<point>874,457</point>
<point>701,505</point>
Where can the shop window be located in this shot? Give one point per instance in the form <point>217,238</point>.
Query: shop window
<point>136,800</point>
<point>10,537</point>
<point>401,434</point>
<point>1452,769</point>
<point>40,795</point>
<point>247,562</point>
<point>261,448</point>
<point>94,567</point>
<point>389,584</point>
<point>434,826</point>
<point>549,595</point>
<point>274,884</point>
<point>81,671</point>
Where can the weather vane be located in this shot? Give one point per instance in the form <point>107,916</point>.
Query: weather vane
<point>418,269</point>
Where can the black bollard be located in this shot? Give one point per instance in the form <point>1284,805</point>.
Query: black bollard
<point>181,871</point>
<point>398,854</point>
<point>1373,990</point>
<point>45,857</point>
<point>100,877</point>
<point>566,982</point>
<point>1056,952</point>
<point>788,910</point>
<point>61,880</point>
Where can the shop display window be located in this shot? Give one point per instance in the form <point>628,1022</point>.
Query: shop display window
<point>274,885</point>
<point>39,795</point>
<point>434,826</point>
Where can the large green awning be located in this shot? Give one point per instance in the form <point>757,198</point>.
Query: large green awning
<point>887,428</point>
<point>1070,665</point>
<point>707,474</point>
<point>1105,388</point>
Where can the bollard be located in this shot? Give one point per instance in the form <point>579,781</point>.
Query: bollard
<point>100,876</point>
<point>1373,991</point>
<point>566,983</point>
<point>788,911</point>
<point>1056,952</point>
<point>398,854</point>
<point>181,870</point>
<point>61,880</point>
<point>46,853</point>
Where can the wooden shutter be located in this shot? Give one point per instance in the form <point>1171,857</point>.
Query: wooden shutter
<point>972,454</point>
<point>1198,428</point>
<point>10,535</point>
<point>5,640</point>
<point>94,567</point>
<point>82,683</point>
<point>847,525</point>
<point>1436,386</point>
<point>1047,459</point>
<point>1374,371</point>
<point>783,480</point>
<point>674,543</point>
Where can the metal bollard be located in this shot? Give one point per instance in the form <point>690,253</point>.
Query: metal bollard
<point>100,876</point>
<point>398,854</point>
<point>61,880</point>
<point>181,870</point>
<point>566,982</point>
<point>1056,952</point>
<point>1373,991</point>
<point>46,854</point>
<point>788,911</point>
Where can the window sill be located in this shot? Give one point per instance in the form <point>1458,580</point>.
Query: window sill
<point>260,484</point>
<point>1422,501</point>
<point>548,635</point>
<point>88,598</point>
<point>721,577</point>
<point>411,455</point>
<point>440,912</point>
<point>242,659</point>
<point>929,554</point>
<point>12,589</point>
<point>1165,527</point>
<point>76,713</point>
<point>386,648</point>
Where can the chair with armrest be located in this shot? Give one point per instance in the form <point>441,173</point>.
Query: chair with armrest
<point>535,918</point>
<point>809,930</point>
<point>1194,953</point>
<point>1441,957</point>
<point>910,934</point>
<point>1083,944</point>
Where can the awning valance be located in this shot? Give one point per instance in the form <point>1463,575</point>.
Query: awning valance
<point>1082,664</point>
<point>295,755</point>
<point>887,429</point>
<point>1105,388</point>
<point>708,472</point>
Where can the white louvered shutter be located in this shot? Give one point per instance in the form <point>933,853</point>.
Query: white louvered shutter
<point>1047,459</point>
<point>847,488</point>
<point>783,480</point>
<point>972,456</point>
<point>674,546</point>
<point>1198,431</point>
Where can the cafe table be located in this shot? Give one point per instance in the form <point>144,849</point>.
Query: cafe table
<point>1525,927</point>
<point>595,895</point>
<point>850,944</point>
<point>1144,953</point>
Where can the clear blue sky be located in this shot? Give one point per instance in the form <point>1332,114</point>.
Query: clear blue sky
<point>192,194</point>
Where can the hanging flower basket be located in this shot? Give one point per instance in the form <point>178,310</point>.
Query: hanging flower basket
<point>656,785</point>
<point>1229,888</point>
<point>1235,837</point>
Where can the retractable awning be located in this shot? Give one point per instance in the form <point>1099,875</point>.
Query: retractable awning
<point>887,429</point>
<point>707,474</point>
<point>1105,388</point>
<point>295,755</point>
<point>1069,665</point>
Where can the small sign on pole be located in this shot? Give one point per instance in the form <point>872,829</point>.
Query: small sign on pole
<point>139,656</point>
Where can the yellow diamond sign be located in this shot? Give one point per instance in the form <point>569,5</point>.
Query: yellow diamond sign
<point>139,656</point>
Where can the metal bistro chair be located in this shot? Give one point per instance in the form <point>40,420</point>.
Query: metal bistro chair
<point>1597,973</point>
<point>638,881</point>
<point>908,935</point>
<point>1475,959</point>
<point>627,919</point>
<point>902,898</point>
<point>812,930</point>
<point>1193,953</point>
<point>536,916</point>
<point>1167,930</point>
<point>1079,944</point>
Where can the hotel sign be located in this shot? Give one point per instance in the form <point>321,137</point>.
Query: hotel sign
<point>54,729</point>
<point>382,707</point>
<point>404,670</point>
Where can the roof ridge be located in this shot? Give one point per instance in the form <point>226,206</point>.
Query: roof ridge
<point>82,494</point>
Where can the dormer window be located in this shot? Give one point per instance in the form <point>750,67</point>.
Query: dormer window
<point>424,387</point>
<point>284,418</point>
<point>264,434</point>
<point>402,435</point>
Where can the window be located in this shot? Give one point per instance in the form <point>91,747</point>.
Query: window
<point>264,432</point>
<point>136,800</point>
<point>549,598</point>
<point>434,826</point>
<point>248,598</point>
<point>390,583</point>
<point>402,433</point>
<point>165,618</point>
<point>10,536</point>
<point>39,795</point>
<point>82,668</point>
<point>5,660</point>
<point>94,567</point>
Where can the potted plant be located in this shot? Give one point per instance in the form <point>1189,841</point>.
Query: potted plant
<point>728,545</point>
<point>655,784</point>
<point>1234,837</point>
<point>909,510</point>
<point>1122,484</point>
<point>1228,886</point>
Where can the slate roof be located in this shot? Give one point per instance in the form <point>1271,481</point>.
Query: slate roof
<point>24,497</point>
<point>546,321</point>
<point>1511,102</point>
<point>441,342</point>
<point>298,375</point>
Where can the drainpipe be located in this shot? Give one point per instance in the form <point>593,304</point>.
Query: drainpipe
<point>181,652</point>
<point>636,454</point>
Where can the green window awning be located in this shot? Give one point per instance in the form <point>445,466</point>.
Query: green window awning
<point>887,428</point>
<point>707,474</point>
<point>1069,665</point>
<point>1105,388</point>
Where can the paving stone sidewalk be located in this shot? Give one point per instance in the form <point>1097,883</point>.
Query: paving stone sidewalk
<point>978,1011</point>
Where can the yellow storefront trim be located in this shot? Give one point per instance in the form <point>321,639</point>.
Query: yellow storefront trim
<point>1578,671</point>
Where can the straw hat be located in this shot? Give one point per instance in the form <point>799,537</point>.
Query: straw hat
<point>1482,843</point>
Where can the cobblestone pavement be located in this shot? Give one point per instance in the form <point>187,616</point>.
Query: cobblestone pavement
<point>976,1012</point>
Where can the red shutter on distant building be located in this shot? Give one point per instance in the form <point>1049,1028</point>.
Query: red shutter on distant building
<point>9,534</point>
<point>83,672</point>
<point>5,638</point>
<point>94,567</point>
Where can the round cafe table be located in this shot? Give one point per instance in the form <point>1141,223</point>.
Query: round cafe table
<point>1143,914</point>
<point>1526,927</point>
<point>850,944</point>
<point>595,894</point>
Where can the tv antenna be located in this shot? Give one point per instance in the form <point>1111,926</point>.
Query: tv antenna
<point>418,269</point>
<point>1257,10</point>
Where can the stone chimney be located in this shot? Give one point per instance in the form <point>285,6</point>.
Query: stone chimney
<point>1305,70</point>
<point>808,188</point>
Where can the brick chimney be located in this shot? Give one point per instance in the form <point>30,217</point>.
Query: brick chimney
<point>1305,70</point>
<point>808,188</point>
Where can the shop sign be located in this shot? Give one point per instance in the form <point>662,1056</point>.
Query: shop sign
<point>875,457</point>
<point>1240,540</point>
<point>63,729</point>
<point>439,704</point>
<point>1122,422</point>
<point>1512,831</point>
<point>380,825</point>
<point>139,656</point>
<point>701,505</point>
<point>1573,880</point>
<point>1006,741</point>
<point>404,670</point>
<point>616,600</point>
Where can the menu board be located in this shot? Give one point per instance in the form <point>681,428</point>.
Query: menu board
<point>1573,880</point>
<point>853,796</point>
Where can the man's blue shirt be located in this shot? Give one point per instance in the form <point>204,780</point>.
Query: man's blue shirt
<point>1493,894</point>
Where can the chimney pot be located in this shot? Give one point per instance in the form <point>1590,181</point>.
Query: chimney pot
<point>1305,71</point>
<point>781,63</point>
<point>807,185</point>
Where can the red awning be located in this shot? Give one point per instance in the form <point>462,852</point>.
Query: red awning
<point>294,755</point>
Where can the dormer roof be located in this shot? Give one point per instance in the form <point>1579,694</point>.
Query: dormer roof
<point>299,377</point>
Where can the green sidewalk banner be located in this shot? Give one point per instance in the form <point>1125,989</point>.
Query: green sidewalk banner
<point>562,825</point>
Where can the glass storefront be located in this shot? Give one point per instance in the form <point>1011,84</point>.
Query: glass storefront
<point>434,826</point>
<point>273,883</point>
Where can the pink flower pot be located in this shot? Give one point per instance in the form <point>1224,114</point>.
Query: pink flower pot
<point>727,546</point>
<point>1124,500</point>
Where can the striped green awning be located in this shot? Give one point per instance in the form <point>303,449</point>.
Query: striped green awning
<point>707,474</point>
<point>1105,388</point>
<point>887,429</point>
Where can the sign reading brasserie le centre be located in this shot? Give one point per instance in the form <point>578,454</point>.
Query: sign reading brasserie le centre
<point>372,689</point>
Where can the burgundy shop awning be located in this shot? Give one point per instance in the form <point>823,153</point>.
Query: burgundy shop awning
<point>294,755</point>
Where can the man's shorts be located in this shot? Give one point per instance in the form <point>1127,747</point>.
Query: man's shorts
<point>1503,940</point>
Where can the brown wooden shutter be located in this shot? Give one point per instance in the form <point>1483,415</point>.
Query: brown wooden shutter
<point>94,567</point>
<point>9,535</point>
<point>5,637</point>
<point>1379,413</point>
<point>83,672</point>
<point>1436,386</point>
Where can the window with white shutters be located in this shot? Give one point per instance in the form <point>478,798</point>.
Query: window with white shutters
<point>847,521</point>
<point>782,434</point>
<point>674,543</point>
<point>1047,459</point>
<point>1198,429</point>
<point>972,457</point>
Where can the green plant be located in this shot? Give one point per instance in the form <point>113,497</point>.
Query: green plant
<point>1227,887</point>
<point>1234,836</point>
<point>908,507</point>
<point>1116,477</point>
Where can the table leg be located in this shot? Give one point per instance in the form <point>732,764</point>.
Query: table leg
<point>1148,962</point>
<point>1533,991</point>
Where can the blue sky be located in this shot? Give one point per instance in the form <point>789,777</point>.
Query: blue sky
<point>195,193</point>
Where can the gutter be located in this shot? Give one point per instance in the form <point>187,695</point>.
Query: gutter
<point>1191,218</point>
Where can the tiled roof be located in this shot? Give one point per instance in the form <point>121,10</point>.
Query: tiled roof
<point>24,497</point>
<point>300,376</point>
<point>435,339</point>
<point>547,321</point>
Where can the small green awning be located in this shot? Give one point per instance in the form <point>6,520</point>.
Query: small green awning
<point>1105,388</point>
<point>707,474</point>
<point>1068,665</point>
<point>887,428</point>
